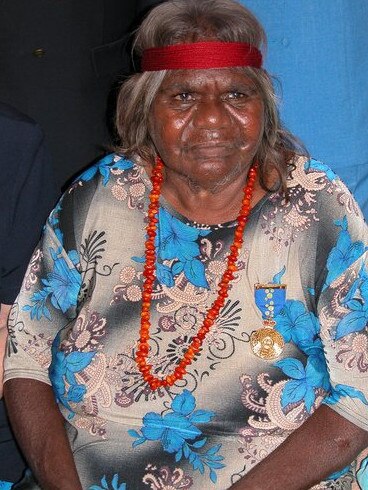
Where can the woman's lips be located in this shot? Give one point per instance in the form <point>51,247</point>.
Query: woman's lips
<point>210,150</point>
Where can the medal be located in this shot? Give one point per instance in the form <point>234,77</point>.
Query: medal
<point>266,342</point>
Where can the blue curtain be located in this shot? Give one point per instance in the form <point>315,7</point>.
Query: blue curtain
<point>318,50</point>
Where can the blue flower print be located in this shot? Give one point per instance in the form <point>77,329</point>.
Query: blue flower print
<point>63,369</point>
<point>340,391</point>
<point>295,323</point>
<point>165,275</point>
<point>61,286</point>
<point>104,167</point>
<point>5,485</point>
<point>339,474</point>
<point>362,474</point>
<point>304,380</point>
<point>345,253</point>
<point>63,282</point>
<point>277,277</point>
<point>105,486</point>
<point>54,221</point>
<point>321,167</point>
<point>176,431</point>
<point>177,241</point>
<point>357,301</point>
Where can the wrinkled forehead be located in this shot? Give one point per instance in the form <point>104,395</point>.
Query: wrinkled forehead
<point>213,78</point>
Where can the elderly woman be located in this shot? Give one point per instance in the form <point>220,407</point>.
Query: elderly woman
<point>198,304</point>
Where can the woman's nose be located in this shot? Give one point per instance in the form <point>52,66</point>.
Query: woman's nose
<point>211,114</point>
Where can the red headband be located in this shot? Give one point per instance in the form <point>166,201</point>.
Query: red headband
<point>201,55</point>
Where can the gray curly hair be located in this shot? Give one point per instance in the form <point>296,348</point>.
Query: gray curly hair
<point>178,21</point>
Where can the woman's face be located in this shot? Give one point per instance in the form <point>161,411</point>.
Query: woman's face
<point>207,124</point>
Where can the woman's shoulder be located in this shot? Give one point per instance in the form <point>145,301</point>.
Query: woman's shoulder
<point>318,194</point>
<point>106,192</point>
<point>104,170</point>
<point>310,174</point>
<point>95,182</point>
<point>313,181</point>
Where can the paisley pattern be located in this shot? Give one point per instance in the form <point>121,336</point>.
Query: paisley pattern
<point>76,325</point>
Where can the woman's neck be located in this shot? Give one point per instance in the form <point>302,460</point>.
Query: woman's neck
<point>211,203</point>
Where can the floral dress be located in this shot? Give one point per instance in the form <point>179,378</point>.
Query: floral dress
<point>75,325</point>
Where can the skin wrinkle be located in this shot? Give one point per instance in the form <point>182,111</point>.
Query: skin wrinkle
<point>207,126</point>
<point>195,188</point>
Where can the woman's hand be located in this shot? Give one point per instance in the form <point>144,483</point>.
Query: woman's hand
<point>325,443</point>
<point>39,429</point>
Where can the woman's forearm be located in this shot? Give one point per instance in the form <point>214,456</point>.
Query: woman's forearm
<point>324,444</point>
<point>39,429</point>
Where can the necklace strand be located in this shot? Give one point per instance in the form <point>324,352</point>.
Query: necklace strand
<point>195,345</point>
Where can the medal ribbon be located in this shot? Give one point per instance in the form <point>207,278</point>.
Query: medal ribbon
<point>270,299</point>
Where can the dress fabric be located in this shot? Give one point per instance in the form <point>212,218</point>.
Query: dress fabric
<point>76,324</point>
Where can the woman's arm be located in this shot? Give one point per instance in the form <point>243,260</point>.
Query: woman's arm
<point>325,443</point>
<point>39,429</point>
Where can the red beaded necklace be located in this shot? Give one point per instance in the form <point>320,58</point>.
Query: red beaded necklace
<point>149,277</point>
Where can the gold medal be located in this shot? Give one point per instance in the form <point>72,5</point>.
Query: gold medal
<point>266,343</point>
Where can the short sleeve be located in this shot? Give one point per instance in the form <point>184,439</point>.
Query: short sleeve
<point>28,193</point>
<point>343,314</point>
<point>46,304</point>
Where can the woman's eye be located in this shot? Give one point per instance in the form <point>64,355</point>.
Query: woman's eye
<point>184,97</point>
<point>235,95</point>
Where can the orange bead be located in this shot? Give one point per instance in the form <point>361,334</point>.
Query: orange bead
<point>143,348</point>
<point>150,245</point>
<point>146,305</point>
<point>189,353</point>
<point>180,370</point>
